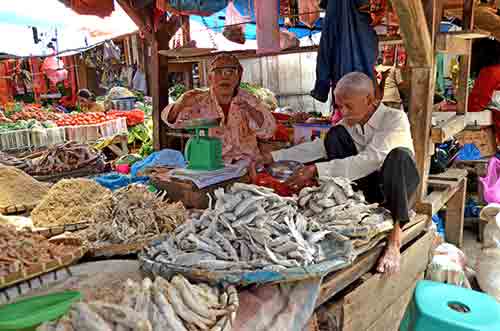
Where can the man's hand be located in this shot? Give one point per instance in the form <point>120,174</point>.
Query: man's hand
<point>389,262</point>
<point>302,177</point>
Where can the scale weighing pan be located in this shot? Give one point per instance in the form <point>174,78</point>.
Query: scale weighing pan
<point>199,123</point>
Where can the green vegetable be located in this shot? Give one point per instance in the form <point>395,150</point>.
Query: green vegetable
<point>176,91</point>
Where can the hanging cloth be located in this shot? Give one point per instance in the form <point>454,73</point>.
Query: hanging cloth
<point>268,32</point>
<point>348,43</point>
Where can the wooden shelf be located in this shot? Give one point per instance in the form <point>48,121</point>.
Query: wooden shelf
<point>470,34</point>
<point>447,129</point>
<point>445,186</point>
<point>452,44</point>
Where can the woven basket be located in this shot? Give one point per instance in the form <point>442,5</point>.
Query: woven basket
<point>42,268</point>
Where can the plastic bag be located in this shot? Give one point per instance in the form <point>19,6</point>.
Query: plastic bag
<point>491,183</point>
<point>111,51</point>
<point>469,153</point>
<point>488,262</point>
<point>488,272</point>
<point>166,157</point>
<point>234,29</point>
<point>448,266</point>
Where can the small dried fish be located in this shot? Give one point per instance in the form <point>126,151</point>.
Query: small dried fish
<point>85,318</point>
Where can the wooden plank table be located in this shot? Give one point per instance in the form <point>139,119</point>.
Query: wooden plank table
<point>338,281</point>
<point>375,301</point>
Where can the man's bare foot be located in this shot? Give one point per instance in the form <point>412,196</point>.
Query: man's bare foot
<point>389,262</point>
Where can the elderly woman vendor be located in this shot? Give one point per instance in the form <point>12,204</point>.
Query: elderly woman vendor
<point>243,117</point>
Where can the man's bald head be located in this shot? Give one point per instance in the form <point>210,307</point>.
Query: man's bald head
<point>355,98</point>
<point>355,83</point>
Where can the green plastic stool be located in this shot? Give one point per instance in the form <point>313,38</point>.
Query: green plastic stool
<point>28,314</point>
<point>442,307</point>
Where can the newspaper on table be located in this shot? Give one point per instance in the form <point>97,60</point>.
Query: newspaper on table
<point>204,179</point>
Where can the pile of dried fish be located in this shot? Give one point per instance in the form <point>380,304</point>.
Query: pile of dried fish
<point>64,158</point>
<point>130,215</point>
<point>21,250</point>
<point>155,306</point>
<point>69,201</point>
<point>335,206</point>
<point>12,161</point>
<point>250,228</point>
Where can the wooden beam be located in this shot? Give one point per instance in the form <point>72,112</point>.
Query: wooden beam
<point>433,13</point>
<point>469,34</point>
<point>420,109</point>
<point>414,28</point>
<point>138,16</point>
<point>463,80</point>
<point>468,15</point>
<point>448,129</point>
<point>450,44</point>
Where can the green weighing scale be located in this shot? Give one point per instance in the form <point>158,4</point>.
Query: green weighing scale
<point>202,152</point>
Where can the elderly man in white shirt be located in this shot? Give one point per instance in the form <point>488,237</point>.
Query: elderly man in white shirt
<point>372,146</point>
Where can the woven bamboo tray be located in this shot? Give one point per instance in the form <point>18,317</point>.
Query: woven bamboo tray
<point>17,209</point>
<point>82,172</point>
<point>42,268</point>
<point>49,232</point>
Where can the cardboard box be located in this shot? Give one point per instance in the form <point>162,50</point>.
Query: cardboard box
<point>483,137</point>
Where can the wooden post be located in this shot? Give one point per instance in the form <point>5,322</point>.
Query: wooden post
<point>454,220</point>
<point>159,92</point>
<point>186,38</point>
<point>419,34</point>
<point>420,111</point>
<point>414,28</point>
<point>463,81</point>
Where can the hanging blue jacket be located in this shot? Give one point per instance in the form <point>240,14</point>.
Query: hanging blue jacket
<point>348,43</point>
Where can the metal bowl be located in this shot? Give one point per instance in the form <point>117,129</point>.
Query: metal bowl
<point>283,169</point>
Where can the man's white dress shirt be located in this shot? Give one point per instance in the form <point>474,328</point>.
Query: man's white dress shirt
<point>387,129</point>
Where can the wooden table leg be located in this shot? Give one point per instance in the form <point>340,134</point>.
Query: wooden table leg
<point>454,221</point>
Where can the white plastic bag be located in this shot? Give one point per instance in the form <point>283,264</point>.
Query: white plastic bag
<point>234,27</point>
<point>488,262</point>
<point>448,266</point>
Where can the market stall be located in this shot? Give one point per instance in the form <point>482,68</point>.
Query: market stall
<point>208,250</point>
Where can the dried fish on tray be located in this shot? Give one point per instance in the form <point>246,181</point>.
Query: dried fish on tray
<point>251,236</point>
<point>25,255</point>
<point>129,218</point>
<point>156,306</point>
<point>335,206</point>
